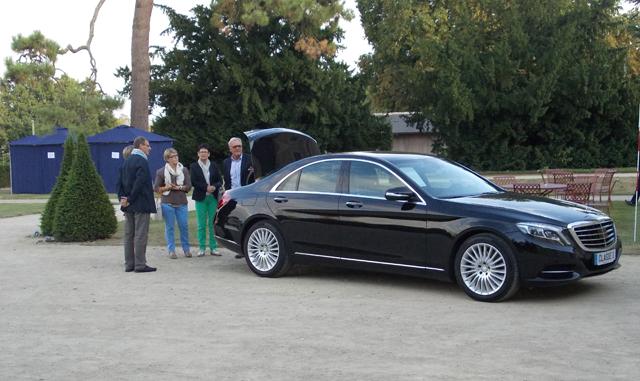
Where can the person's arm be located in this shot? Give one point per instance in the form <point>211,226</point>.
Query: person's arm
<point>215,176</point>
<point>158,184</point>
<point>187,180</point>
<point>142,177</point>
<point>226,173</point>
<point>197,179</point>
<point>119,186</point>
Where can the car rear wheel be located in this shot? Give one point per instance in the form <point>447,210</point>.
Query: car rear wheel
<point>486,269</point>
<point>265,250</point>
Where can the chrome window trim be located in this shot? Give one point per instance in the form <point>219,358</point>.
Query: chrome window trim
<point>275,187</point>
<point>367,261</point>
<point>600,220</point>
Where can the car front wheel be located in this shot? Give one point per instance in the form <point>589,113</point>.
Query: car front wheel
<point>265,250</point>
<point>486,268</point>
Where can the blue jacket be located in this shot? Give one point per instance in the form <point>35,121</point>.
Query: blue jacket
<point>135,184</point>
<point>245,164</point>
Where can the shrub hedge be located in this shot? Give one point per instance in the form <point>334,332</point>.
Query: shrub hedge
<point>84,212</point>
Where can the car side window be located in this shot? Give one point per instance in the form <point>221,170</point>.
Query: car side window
<point>320,177</point>
<point>366,179</point>
<point>291,183</point>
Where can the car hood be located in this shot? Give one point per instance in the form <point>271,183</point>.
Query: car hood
<point>273,148</point>
<point>522,206</point>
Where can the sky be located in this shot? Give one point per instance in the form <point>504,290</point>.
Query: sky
<point>67,22</point>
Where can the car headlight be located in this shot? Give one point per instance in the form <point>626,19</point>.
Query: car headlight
<point>544,231</point>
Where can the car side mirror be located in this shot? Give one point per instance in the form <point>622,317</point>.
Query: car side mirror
<point>399,194</point>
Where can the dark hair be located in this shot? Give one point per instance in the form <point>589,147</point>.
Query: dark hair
<point>140,140</point>
<point>205,146</point>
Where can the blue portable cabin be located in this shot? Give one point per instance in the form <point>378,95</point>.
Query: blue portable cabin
<point>36,161</point>
<point>106,151</point>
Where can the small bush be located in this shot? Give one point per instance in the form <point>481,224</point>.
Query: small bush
<point>84,212</point>
<point>47,219</point>
<point>5,180</point>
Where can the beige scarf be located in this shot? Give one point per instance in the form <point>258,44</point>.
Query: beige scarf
<point>178,173</point>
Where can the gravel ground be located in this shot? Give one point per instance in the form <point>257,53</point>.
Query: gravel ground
<point>69,312</point>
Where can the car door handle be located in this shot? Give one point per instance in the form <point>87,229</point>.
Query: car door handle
<point>280,199</point>
<point>353,204</point>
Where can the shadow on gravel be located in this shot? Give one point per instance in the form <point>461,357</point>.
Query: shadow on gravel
<point>334,274</point>
<point>576,290</point>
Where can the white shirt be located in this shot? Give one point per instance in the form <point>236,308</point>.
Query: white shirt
<point>236,165</point>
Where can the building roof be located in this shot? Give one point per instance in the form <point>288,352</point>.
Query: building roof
<point>400,125</point>
<point>57,138</point>
<point>125,134</point>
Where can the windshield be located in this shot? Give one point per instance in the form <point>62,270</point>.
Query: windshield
<point>440,178</point>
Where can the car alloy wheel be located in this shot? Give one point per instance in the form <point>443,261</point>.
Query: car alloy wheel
<point>265,250</point>
<point>483,268</point>
<point>486,268</point>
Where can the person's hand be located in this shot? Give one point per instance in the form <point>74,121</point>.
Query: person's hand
<point>211,188</point>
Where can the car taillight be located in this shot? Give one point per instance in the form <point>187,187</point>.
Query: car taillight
<point>226,196</point>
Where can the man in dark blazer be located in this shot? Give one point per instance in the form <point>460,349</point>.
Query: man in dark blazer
<point>237,168</point>
<point>206,183</point>
<point>135,193</point>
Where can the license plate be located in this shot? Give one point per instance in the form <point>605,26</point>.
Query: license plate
<point>604,257</point>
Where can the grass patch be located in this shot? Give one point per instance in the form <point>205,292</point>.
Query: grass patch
<point>623,215</point>
<point>156,234</point>
<point>14,210</point>
<point>5,194</point>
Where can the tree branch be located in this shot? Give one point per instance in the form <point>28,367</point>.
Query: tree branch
<point>94,69</point>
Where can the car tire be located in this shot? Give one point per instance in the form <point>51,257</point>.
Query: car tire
<point>265,250</point>
<point>486,269</point>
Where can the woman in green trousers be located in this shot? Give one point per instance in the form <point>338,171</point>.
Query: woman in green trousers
<point>206,182</point>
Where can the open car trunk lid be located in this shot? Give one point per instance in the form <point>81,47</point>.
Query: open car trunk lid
<point>273,148</point>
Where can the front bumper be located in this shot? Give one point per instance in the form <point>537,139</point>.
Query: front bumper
<point>544,263</point>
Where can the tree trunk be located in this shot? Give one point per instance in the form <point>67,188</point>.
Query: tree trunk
<point>140,65</point>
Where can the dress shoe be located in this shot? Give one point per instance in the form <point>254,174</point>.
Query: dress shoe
<point>630,202</point>
<point>239,256</point>
<point>128,270</point>
<point>145,269</point>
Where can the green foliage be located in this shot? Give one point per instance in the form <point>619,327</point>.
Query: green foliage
<point>215,85</point>
<point>312,22</point>
<point>83,212</point>
<point>5,175</point>
<point>30,92</point>
<point>48,216</point>
<point>509,85</point>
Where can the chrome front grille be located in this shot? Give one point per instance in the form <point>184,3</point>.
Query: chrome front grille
<point>594,235</point>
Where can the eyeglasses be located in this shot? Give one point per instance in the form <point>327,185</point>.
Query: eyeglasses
<point>237,146</point>
<point>172,156</point>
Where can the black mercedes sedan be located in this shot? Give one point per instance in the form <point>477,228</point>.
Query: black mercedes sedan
<point>406,213</point>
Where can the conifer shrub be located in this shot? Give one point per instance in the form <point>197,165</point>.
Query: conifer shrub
<point>47,218</point>
<point>84,212</point>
